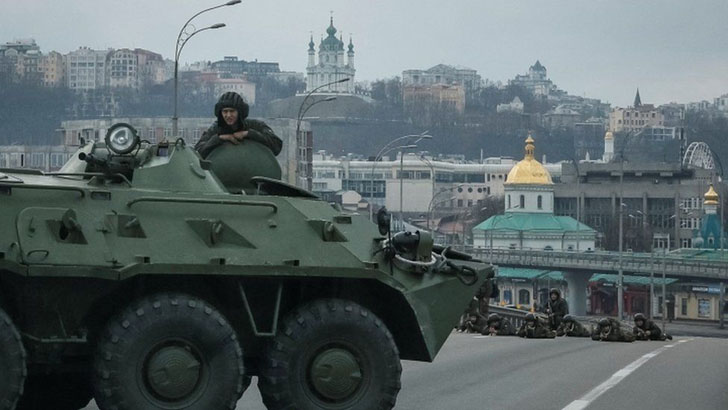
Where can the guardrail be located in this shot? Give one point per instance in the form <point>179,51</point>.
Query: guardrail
<point>642,263</point>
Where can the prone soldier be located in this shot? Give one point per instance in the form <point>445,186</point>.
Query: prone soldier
<point>573,328</point>
<point>498,326</point>
<point>471,320</point>
<point>645,329</point>
<point>611,330</point>
<point>535,328</point>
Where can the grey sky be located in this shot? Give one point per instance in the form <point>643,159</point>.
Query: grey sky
<point>673,50</point>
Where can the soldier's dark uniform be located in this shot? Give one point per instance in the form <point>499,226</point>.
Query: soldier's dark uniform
<point>471,320</point>
<point>556,309</point>
<point>474,319</point>
<point>573,328</point>
<point>535,328</point>
<point>646,329</point>
<point>611,330</point>
<point>258,131</point>
<point>498,326</point>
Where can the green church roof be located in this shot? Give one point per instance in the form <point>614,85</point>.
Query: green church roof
<point>521,221</point>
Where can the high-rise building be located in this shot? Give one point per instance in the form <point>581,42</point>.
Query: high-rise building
<point>331,65</point>
<point>86,69</point>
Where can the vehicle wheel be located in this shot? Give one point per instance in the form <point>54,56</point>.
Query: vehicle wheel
<point>331,354</point>
<point>56,391</point>
<point>12,363</point>
<point>168,351</point>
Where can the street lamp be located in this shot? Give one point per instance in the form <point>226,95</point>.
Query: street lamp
<point>419,137</point>
<point>179,45</point>
<point>371,174</point>
<point>299,140</point>
<point>430,206</point>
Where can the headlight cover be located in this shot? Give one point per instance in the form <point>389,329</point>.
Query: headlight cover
<point>122,138</point>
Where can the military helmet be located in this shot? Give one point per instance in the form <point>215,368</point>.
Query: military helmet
<point>493,317</point>
<point>556,291</point>
<point>530,317</point>
<point>604,322</point>
<point>569,318</point>
<point>639,316</point>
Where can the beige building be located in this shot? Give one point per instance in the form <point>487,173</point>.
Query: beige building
<point>53,66</point>
<point>442,96</point>
<point>635,118</point>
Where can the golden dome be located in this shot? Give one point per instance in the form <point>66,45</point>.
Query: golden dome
<point>609,135</point>
<point>711,197</point>
<point>529,171</point>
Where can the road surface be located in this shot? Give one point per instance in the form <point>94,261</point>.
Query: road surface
<point>480,372</point>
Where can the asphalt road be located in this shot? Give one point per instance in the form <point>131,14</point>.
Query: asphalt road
<point>477,372</point>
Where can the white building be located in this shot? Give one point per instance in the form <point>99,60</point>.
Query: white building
<point>331,65</point>
<point>529,221</point>
<point>427,183</point>
<point>514,106</point>
<point>86,69</point>
<point>443,74</point>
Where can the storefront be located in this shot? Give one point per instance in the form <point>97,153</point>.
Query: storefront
<point>698,301</point>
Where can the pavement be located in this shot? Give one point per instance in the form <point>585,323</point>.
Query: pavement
<point>694,328</point>
<point>502,372</point>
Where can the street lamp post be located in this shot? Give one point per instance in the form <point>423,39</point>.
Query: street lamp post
<point>179,45</point>
<point>371,174</point>
<point>419,137</point>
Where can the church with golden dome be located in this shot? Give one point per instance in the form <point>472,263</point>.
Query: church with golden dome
<point>529,221</point>
<point>708,236</point>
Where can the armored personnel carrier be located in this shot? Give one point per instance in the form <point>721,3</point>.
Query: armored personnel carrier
<point>136,277</point>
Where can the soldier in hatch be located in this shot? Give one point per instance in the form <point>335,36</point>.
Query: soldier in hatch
<point>234,126</point>
<point>645,329</point>
<point>611,330</point>
<point>535,327</point>
<point>556,308</point>
<point>498,326</point>
<point>573,328</point>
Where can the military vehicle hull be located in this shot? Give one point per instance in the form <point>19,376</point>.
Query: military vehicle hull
<point>89,261</point>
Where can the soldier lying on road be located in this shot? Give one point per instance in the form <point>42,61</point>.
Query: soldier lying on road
<point>571,327</point>
<point>498,326</point>
<point>472,321</point>
<point>535,328</point>
<point>645,329</point>
<point>611,330</point>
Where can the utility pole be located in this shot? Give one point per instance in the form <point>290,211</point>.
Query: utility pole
<point>664,292</point>
<point>620,280</point>
<point>652,283</point>
<point>721,307</point>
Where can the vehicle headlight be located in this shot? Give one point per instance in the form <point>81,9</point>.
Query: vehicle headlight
<point>122,138</point>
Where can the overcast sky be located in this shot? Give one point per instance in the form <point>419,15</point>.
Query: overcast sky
<point>673,50</point>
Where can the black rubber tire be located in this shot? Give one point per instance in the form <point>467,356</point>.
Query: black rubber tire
<point>12,363</point>
<point>56,391</point>
<point>285,381</point>
<point>133,351</point>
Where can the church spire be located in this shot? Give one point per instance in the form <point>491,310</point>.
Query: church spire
<point>637,100</point>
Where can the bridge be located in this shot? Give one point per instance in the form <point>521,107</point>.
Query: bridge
<point>690,263</point>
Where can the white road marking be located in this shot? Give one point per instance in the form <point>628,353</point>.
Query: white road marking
<point>617,377</point>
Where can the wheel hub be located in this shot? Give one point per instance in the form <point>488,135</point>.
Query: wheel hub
<point>335,374</point>
<point>173,372</point>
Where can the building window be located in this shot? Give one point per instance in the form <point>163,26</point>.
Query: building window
<point>460,203</point>
<point>524,297</point>
<point>509,202</point>
<point>703,307</point>
<point>540,202</point>
<point>522,202</point>
<point>684,306</point>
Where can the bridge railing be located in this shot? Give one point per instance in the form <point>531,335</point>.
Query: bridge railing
<point>606,261</point>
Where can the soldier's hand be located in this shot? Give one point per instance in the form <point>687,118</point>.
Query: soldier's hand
<point>647,333</point>
<point>230,138</point>
<point>240,135</point>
